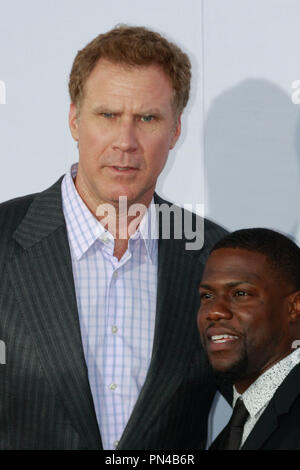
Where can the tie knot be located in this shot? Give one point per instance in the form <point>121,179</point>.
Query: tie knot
<point>239,415</point>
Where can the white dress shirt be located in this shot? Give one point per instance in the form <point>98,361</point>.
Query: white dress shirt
<point>116,304</point>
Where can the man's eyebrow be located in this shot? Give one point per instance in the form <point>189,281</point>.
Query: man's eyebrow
<point>151,111</point>
<point>105,109</point>
<point>236,283</point>
<point>229,284</point>
<point>205,286</point>
<point>142,112</point>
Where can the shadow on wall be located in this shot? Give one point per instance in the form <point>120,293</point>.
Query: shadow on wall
<point>252,158</point>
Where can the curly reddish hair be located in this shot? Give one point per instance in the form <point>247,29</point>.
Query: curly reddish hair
<point>133,46</point>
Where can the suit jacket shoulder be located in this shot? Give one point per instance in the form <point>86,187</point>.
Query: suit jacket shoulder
<point>11,214</point>
<point>33,209</point>
<point>279,426</point>
<point>14,210</point>
<point>194,226</point>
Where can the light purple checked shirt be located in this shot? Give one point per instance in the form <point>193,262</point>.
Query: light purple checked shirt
<point>117,304</point>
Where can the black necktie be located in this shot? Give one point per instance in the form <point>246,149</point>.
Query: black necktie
<point>233,432</point>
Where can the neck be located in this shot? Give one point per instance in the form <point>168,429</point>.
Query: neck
<point>242,384</point>
<point>121,224</point>
<point>121,218</point>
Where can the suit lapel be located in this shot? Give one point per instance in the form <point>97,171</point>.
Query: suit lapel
<point>42,279</point>
<point>279,405</point>
<point>174,339</point>
<point>265,426</point>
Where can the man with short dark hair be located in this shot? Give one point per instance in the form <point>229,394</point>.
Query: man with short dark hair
<point>249,322</point>
<point>97,306</point>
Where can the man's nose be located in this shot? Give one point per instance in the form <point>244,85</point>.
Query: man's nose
<point>218,310</point>
<point>126,138</point>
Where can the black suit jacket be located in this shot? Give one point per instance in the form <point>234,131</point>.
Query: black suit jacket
<point>278,428</point>
<point>45,397</point>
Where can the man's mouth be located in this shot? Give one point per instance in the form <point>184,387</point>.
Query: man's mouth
<point>218,340</point>
<point>222,338</point>
<point>123,169</point>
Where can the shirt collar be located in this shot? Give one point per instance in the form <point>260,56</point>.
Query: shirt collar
<point>260,392</point>
<point>148,231</point>
<point>84,228</point>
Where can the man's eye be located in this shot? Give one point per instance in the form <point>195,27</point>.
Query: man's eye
<point>108,115</point>
<point>240,293</point>
<point>205,295</point>
<point>147,118</point>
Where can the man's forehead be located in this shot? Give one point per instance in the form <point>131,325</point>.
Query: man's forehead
<point>147,89</point>
<point>106,67</point>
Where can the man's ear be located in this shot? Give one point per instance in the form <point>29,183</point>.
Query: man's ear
<point>176,132</point>
<point>294,307</point>
<point>73,121</point>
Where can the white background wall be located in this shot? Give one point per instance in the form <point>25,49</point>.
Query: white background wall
<point>240,147</point>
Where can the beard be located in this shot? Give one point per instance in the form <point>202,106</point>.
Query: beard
<point>234,372</point>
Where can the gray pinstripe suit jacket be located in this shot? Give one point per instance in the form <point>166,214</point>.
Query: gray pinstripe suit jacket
<point>45,398</point>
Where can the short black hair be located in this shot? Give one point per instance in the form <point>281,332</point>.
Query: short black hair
<point>281,252</point>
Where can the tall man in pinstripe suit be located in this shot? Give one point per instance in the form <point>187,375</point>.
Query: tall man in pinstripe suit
<point>98,306</point>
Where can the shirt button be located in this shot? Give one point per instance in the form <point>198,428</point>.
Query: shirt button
<point>116,443</point>
<point>115,275</point>
<point>114,329</point>
<point>105,239</point>
<point>113,386</point>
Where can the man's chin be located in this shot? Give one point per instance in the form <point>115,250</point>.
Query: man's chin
<point>231,372</point>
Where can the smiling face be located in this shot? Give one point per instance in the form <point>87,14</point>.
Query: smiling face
<point>125,129</point>
<point>246,314</point>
